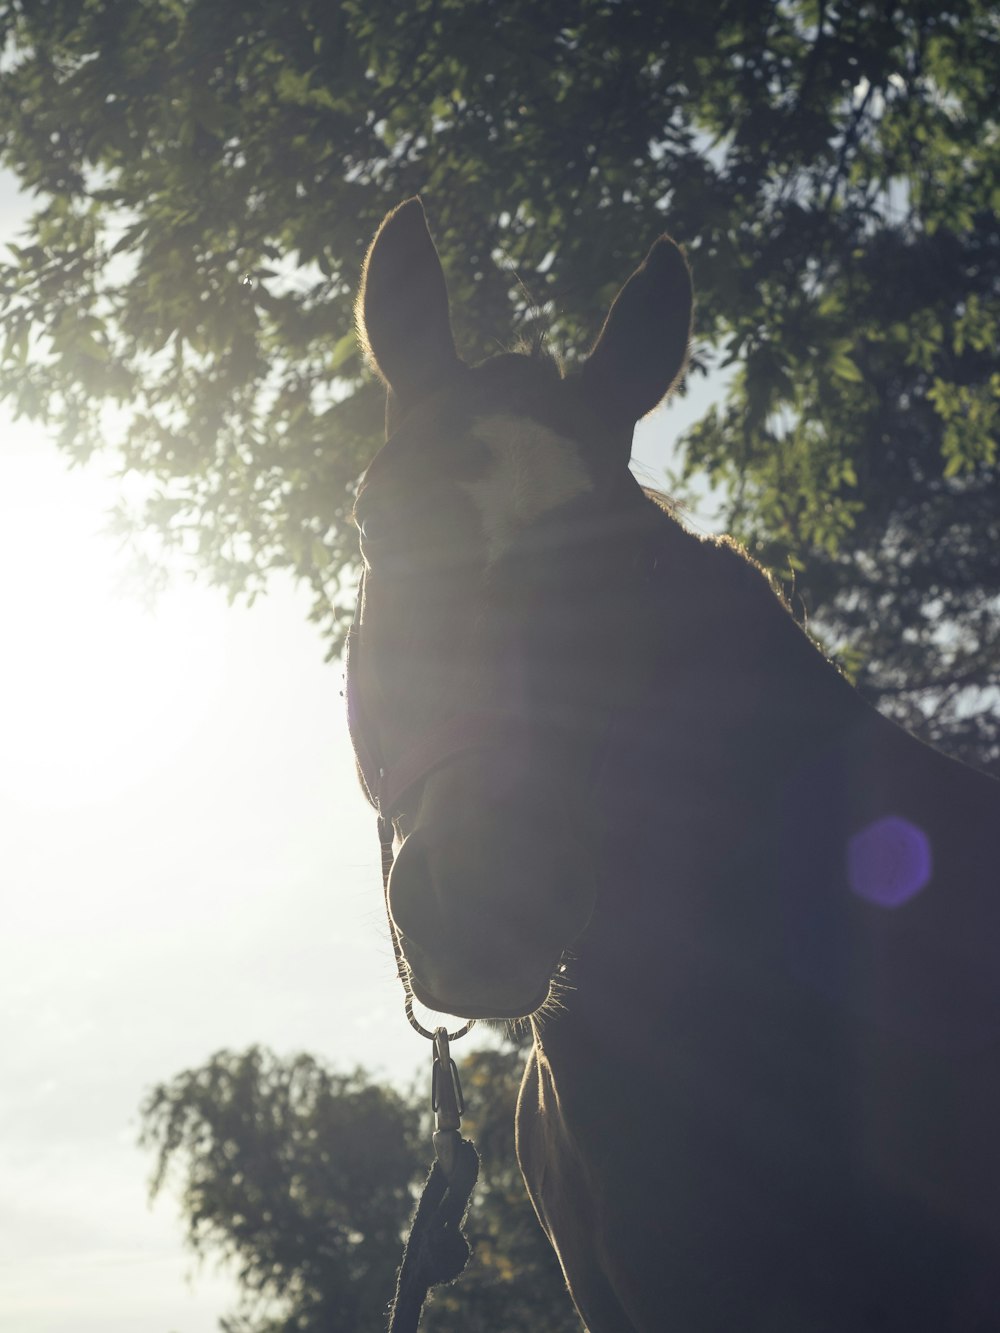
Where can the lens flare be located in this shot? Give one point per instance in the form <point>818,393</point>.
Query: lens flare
<point>889,861</point>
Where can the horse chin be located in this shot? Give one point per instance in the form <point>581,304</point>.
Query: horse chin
<point>469,997</point>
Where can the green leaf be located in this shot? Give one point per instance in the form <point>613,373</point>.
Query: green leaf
<point>844,368</point>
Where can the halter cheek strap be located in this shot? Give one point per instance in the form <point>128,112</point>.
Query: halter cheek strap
<point>386,788</point>
<point>464,731</point>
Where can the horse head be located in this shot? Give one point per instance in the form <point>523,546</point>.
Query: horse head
<point>496,526</point>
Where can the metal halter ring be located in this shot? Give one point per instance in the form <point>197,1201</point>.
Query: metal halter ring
<point>426,1032</point>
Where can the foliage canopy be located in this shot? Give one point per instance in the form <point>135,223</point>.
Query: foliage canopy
<point>208,177</point>
<point>304,1181</point>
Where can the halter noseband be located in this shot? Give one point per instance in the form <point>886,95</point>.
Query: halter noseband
<point>386,786</point>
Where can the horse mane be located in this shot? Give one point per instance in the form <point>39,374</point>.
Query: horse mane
<point>724,543</point>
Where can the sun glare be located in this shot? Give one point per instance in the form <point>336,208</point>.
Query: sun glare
<point>96,692</point>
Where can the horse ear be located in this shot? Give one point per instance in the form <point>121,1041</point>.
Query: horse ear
<point>402,308</point>
<point>641,350</point>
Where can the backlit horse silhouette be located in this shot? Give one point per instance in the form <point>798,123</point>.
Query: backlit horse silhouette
<point>757,927</point>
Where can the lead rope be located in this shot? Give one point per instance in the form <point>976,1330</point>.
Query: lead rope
<point>436,1250</point>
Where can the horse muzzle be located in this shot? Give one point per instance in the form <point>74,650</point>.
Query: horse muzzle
<point>485,902</point>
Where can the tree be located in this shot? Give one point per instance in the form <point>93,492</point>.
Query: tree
<point>299,1176</point>
<point>305,1179</point>
<point>208,176</point>
<point>902,575</point>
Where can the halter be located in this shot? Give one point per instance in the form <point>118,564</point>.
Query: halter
<point>385,786</point>
<point>436,1250</point>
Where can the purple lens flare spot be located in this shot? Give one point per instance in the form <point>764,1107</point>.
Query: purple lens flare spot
<point>889,861</point>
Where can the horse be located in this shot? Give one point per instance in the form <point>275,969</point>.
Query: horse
<point>754,926</point>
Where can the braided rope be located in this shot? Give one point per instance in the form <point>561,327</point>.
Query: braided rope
<point>436,1250</point>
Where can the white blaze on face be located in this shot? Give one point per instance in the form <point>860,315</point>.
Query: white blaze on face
<point>534,470</point>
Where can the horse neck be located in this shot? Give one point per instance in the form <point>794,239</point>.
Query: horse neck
<point>700,738</point>
<point>612,978</point>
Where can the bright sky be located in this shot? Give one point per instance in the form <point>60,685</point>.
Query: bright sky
<point>185,864</point>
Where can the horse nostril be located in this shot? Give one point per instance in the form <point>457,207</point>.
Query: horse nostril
<point>411,897</point>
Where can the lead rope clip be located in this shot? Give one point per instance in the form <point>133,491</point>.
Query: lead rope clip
<point>447,1103</point>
